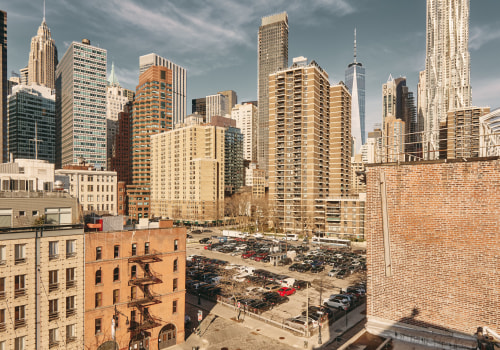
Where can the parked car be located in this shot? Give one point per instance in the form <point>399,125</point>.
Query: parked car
<point>336,303</point>
<point>204,240</point>
<point>299,324</point>
<point>285,291</point>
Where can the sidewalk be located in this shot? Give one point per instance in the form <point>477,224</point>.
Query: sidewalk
<point>259,327</point>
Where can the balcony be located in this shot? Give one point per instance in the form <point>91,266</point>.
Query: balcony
<point>53,287</point>
<point>53,257</point>
<point>70,284</point>
<point>19,323</point>
<point>54,315</point>
<point>149,298</point>
<point>19,261</point>
<point>149,278</point>
<point>19,293</point>
<point>70,312</point>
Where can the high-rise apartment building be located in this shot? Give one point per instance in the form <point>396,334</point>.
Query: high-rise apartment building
<point>246,119</point>
<point>43,58</point>
<point>81,105</point>
<point>447,66</point>
<point>152,114</point>
<point>234,170</point>
<point>3,86</point>
<point>23,75</point>
<point>355,81</point>
<point>272,56</point>
<point>216,106</point>
<point>179,84</point>
<point>121,162</point>
<point>32,122</point>
<point>393,140</point>
<point>116,99</point>
<point>341,147</point>
<point>199,105</point>
<point>187,173</point>
<point>231,99</point>
<point>299,145</point>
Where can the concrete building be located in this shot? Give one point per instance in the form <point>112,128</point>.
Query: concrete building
<point>234,170</point>
<point>447,67</point>
<point>27,175</point>
<point>32,122</point>
<point>340,145</point>
<point>231,99</point>
<point>41,285</point>
<point>300,144</point>
<point>345,217</point>
<point>121,162</point>
<point>393,140</point>
<point>3,87</point>
<point>178,95</point>
<point>259,183</point>
<point>23,75</point>
<point>272,56</point>
<point>188,173</point>
<point>116,99</point>
<point>246,120</point>
<point>95,190</point>
<point>217,105</point>
<point>432,255</point>
<point>135,288</point>
<point>357,178</point>
<point>152,114</point>
<point>372,149</point>
<point>42,61</point>
<point>81,105</point>
<point>462,130</point>
<point>355,81</point>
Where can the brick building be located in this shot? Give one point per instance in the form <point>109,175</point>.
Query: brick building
<point>136,278</point>
<point>432,253</point>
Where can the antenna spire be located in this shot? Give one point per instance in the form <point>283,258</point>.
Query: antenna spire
<point>44,10</point>
<point>355,49</point>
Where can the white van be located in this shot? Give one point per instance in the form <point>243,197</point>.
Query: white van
<point>288,282</point>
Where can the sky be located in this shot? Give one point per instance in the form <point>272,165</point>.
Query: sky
<point>216,40</point>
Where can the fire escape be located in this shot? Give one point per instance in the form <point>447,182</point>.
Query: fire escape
<point>148,298</point>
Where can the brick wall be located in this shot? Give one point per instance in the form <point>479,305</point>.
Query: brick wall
<point>444,224</point>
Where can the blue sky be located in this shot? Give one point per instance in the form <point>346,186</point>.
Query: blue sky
<point>216,40</point>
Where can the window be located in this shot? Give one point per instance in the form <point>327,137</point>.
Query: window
<point>98,299</point>
<point>98,277</point>
<point>175,284</point>
<point>117,251</point>
<point>53,337</point>
<point>176,244</point>
<point>20,253</point>
<point>35,212</point>
<point>2,321</point>
<point>22,213</point>
<point>90,188</point>
<point>59,216</point>
<point>53,250</point>
<point>174,306</point>
<point>134,249</point>
<point>175,265</point>
<point>70,277</point>
<point>70,333</point>
<point>19,285</point>
<point>98,253</point>
<point>20,343</point>
<point>70,306</point>
<point>146,248</point>
<point>2,345</point>
<point>133,271</point>
<point>53,280</point>
<point>97,325</point>
<point>2,288</point>
<point>3,253</point>
<point>132,316</point>
<point>116,296</point>
<point>53,309</point>
<point>116,274</point>
<point>19,316</point>
<point>133,292</point>
<point>70,248</point>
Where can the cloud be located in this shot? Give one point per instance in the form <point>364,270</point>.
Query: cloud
<point>481,35</point>
<point>486,90</point>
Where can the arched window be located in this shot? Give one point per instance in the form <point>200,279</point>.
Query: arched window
<point>116,274</point>
<point>98,277</point>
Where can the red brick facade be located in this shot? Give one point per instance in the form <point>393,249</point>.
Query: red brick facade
<point>444,229</point>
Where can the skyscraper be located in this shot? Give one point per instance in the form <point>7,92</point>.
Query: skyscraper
<point>43,57</point>
<point>152,114</point>
<point>3,86</point>
<point>272,56</point>
<point>355,81</point>
<point>81,105</point>
<point>245,116</point>
<point>231,99</point>
<point>447,66</point>
<point>32,122</point>
<point>216,106</point>
<point>179,84</point>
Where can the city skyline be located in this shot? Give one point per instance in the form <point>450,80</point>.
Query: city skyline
<point>221,54</point>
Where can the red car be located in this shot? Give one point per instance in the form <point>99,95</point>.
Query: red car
<point>285,291</point>
<point>247,255</point>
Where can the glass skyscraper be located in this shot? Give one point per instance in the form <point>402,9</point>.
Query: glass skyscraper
<point>355,81</point>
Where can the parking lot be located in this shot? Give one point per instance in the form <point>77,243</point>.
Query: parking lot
<point>225,271</point>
